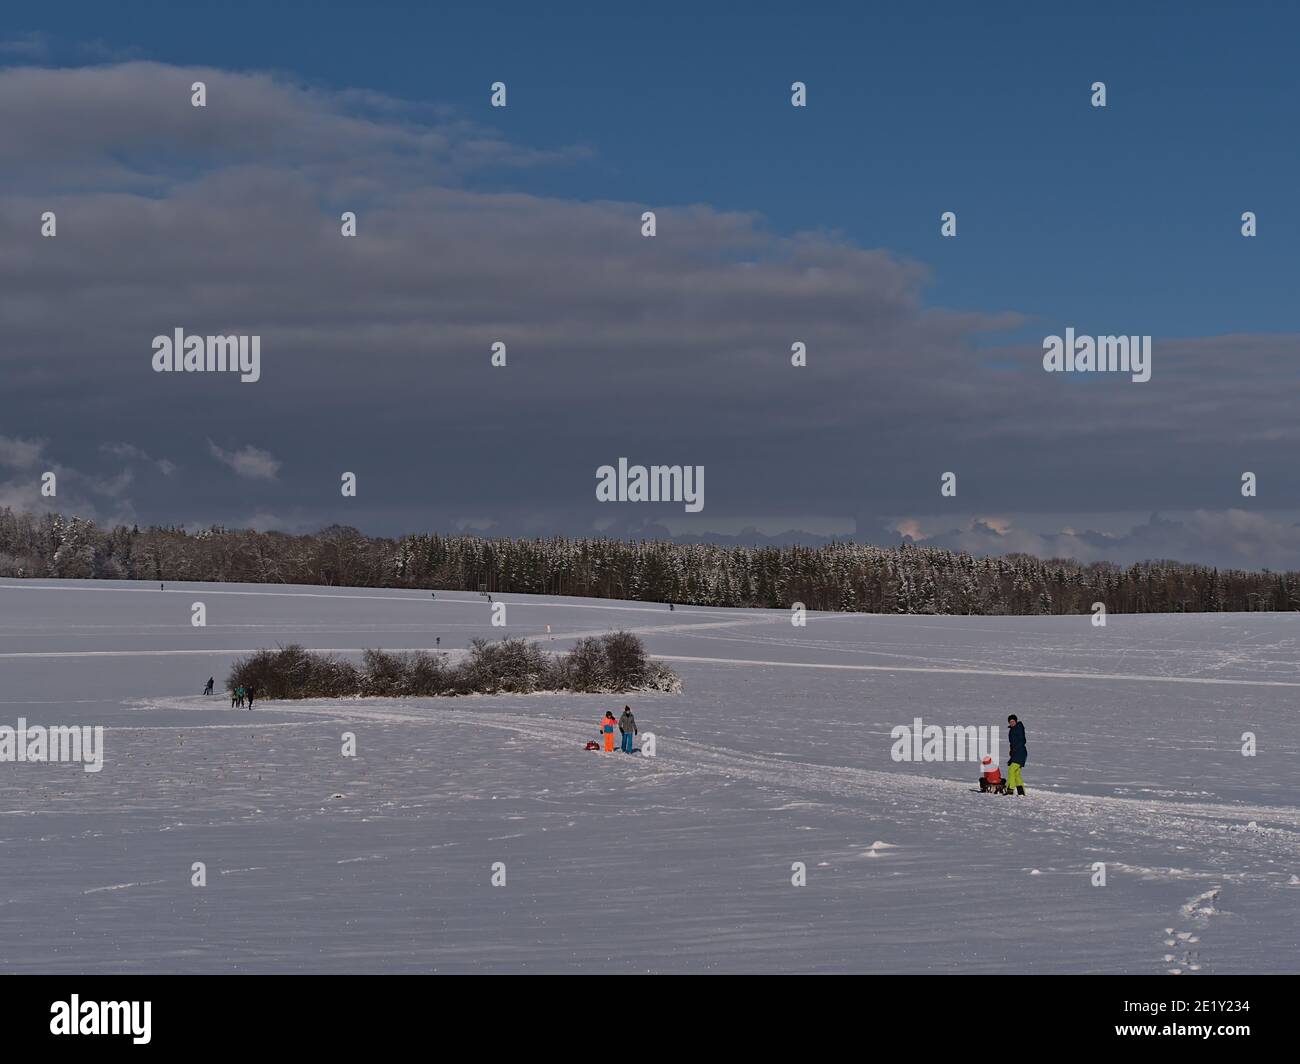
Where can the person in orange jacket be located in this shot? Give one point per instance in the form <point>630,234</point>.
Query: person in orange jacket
<point>607,727</point>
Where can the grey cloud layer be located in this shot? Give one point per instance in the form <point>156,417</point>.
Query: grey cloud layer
<point>375,350</point>
<point>1233,538</point>
<point>131,125</point>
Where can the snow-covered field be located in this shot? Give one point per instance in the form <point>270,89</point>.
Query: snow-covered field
<point>777,752</point>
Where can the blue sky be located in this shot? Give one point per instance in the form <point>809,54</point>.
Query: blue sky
<point>520,223</point>
<point>1124,219</point>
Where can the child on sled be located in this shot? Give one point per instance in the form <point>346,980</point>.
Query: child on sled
<point>991,777</point>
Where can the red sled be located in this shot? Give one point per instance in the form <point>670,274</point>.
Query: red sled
<point>592,745</point>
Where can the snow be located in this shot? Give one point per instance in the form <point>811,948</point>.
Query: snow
<point>777,752</point>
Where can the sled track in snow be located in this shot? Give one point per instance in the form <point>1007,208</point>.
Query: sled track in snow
<point>1246,838</point>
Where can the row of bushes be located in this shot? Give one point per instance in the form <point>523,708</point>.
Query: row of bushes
<point>614,663</point>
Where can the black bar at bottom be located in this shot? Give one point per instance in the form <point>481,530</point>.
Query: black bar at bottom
<point>979,1015</point>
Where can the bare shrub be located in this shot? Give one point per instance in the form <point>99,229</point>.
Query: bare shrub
<point>608,664</point>
<point>514,666</point>
<point>614,663</point>
<point>292,672</point>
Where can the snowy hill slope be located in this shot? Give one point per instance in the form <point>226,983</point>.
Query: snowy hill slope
<point>777,752</point>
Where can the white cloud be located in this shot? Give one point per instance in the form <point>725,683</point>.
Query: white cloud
<point>108,125</point>
<point>1230,538</point>
<point>247,461</point>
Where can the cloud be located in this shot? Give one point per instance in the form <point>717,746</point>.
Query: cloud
<point>112,487</point>
<point>76,489</point>
<point>1230,538</point>
<point>675,349</point>
<point>263,521</point>
<point>26,46</point>
<point>20,454</point>
<point>130,125</point>
<point>248,461</point>
<point>131,452</point>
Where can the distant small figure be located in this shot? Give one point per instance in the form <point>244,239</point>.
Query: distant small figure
<point>208,690</point>
<point>607,726</point>
<point>234,697</point>
<point>437,641</point>
<point>252,693</point>
<point>239,694</point>
<point>433,594</point>
<point>670,607</point>
<point>489,598</point>
<point>160,587</point>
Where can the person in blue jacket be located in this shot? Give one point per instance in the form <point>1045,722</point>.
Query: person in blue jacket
<point>1018,756</point>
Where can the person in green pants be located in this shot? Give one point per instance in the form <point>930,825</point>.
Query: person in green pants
<point>1017,757</point>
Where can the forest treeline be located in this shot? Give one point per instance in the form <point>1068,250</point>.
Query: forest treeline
<point>838,576</point>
